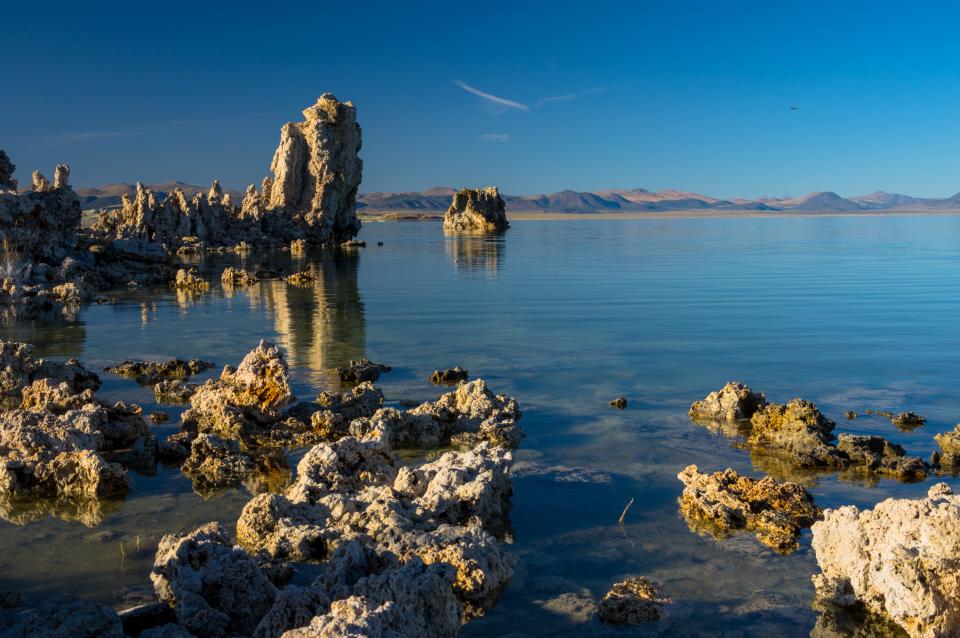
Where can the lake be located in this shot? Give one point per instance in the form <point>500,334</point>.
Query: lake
<point>850,312</point>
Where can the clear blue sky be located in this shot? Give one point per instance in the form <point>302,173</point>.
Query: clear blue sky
<point>691,95</point>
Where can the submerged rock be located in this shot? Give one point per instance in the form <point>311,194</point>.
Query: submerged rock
<point>448,376</point>
<point>632,601</point>
<point>908,421</point>
<point>153,372</point>
<point>723,502</point>
<point>898,559</point>
<point>174,391</point>
<point>876,454</point>
<point>480,209</point>
<point>733,402</point>
<point>361,371</point>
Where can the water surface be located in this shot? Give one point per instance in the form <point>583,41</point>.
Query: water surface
<point>849,312</point>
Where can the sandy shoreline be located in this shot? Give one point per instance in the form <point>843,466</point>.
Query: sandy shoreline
<point>678,214</point>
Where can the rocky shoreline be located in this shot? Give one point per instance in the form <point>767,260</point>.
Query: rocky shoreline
<point>408,549</point>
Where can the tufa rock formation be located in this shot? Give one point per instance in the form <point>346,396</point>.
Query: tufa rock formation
<point>899,560</point>
<point>476,210</point>
<point>316,171</point>
<point>733,402</point>
<point>723,502</point>
<point>632,601</point>
<point>311,196</point>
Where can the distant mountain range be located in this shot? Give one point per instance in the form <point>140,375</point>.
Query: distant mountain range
<point>568,201</point>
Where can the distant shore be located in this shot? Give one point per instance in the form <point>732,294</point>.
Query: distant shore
<point>523,216</point>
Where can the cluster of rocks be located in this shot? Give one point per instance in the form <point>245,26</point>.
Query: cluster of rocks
<point>59,441</point>
<point>46,256</point>
<point>476,210</point>
<point>402,550</point>
<point>311,195</point>
<point>801,435</point>
<point>724,502</point>
<point>897,561</point>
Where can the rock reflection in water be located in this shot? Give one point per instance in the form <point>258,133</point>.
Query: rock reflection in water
<point>88,511</point>
<point>480,253</point>
<point>320,326</point>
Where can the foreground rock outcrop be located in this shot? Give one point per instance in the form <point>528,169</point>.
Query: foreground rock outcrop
<point>406,550</point>
<point>476,210</point>
<point>724,502</point>
<point>62,442</point>
<point>898,559</point>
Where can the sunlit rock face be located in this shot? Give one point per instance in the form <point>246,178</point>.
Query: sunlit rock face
<point>311,196</point>
<point>476,210</point>
<point>317,170</point>
<point>898,559</point>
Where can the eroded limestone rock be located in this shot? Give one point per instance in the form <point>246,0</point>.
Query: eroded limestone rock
<point>899,559</point>
<point>733,402</point>
<point>473,414</point>
<point>478,210</point>
<point>799,431</point>
<point>723,502</point>
<point>188,279</point>
<point>361,371</point>
<point>237,277</point>
<point>632,601</point>
<point>215,589</point>
<point>449,376</point>
<point>153,372</point>
<point>876,454</point>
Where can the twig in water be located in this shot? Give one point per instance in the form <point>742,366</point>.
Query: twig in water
<point>123,554</point>
<point>625,509</point>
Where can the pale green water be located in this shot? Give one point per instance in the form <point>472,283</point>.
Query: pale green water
<point>849,312</point>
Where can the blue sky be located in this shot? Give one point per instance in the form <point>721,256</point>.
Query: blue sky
<point>532,96</point>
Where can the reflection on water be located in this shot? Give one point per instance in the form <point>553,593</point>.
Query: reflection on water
<point>479,253</point>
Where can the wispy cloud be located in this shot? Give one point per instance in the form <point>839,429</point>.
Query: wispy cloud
<point>495,137</point>
<point>570,97</point>
<point>85,136</point>
<point>502,101</point>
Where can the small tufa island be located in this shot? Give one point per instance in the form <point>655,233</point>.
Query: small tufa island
<point>476,210</point>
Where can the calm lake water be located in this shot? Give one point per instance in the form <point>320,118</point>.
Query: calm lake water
<point>849,312</point>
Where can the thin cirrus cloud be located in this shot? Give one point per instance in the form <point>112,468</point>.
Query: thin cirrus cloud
<point>495,137</point>
<point>493,99</point>
<point>570,97</point>
<point>497,101</point>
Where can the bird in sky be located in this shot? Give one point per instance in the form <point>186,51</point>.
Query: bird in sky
<point>794,108</point>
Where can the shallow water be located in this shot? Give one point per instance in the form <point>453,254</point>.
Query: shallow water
<point>849,312</point>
